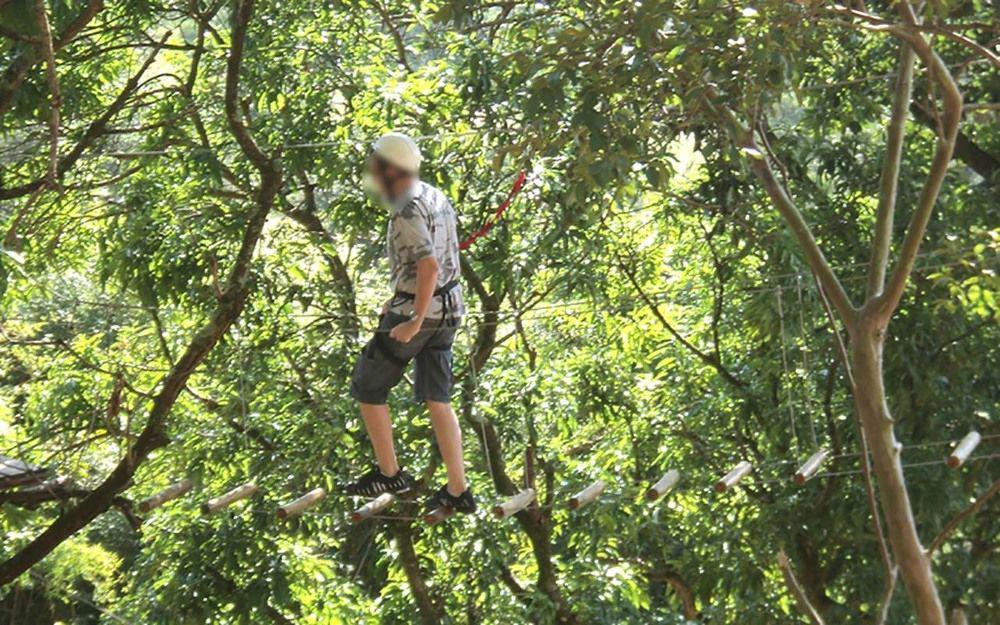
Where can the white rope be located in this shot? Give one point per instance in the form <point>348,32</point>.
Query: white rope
<point>472,405</point>
<point>784,368</point>
<point>810,413</point>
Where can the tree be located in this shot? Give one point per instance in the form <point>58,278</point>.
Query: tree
<point>185,294</point>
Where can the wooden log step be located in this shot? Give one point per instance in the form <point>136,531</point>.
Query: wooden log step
<point>169,493</point>
<point>734,476</point>
<point>664,484</point>
<point>224,501</point>
<point>586,496</point>
<point>303,503</point>
<point>373,507</point>
<point>963,449</point>
<point>515,504</point>
<point>810,467</point>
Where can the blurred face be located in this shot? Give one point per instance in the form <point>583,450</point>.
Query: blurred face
<point>389,181</point>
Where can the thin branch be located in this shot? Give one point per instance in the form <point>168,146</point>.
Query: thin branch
<point>786,207</point>
<point>959,518</point>
<point>889,182</point>
<point>17,71</point>
<point>397,37</point>
<point>94,131</point>
<point>241,21</point>
<point>55,97</point>
<point>796,589</point>
<point>708,359</point>
<point>951,117</point>
<point>886,601</point>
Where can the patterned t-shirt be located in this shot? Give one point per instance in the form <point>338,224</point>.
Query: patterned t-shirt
<point>422,224</point>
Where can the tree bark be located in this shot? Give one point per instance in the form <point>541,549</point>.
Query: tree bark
<point>867,340</point>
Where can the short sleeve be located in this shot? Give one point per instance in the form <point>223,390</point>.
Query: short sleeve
<point>410,237</point>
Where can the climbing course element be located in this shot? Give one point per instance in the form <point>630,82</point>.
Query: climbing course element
<point>373,507</point>
<point>587,495</point>
<point>16,472</point>
<point>224,501</point>
<point>734,476</point>
<point>301,504</point>
<point>963,449</point>
<point>515,504</point>
<point>665,483</point>
<point>437,515</point>
<point>169,493</point>
<point>489,223</point>
<point>810,467</point>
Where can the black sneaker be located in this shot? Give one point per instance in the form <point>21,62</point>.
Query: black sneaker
<point>464,503</point>
<point>374,483</point>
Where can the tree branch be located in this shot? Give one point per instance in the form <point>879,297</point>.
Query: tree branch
<point>951,117</point>
<point>796,589</point>
<point>680,587</point>
<point>397,37</point>
<point>55,97</point>
<point>310,221</point>
<point>18,70</point>
<point>785,206</point>
<point>241,22</point>
<point>708,359</point>
<point>889,181</point>
<point>429,610</point>
<point>153,434</point>
<point>966,150</point>
<point>953,524</point>
<point>93,132</point>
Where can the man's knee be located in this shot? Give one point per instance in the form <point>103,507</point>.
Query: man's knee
<point>436,405</point>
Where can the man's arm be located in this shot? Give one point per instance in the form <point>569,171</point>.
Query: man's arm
<point>427,274</point>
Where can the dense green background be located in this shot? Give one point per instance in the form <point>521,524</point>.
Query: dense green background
<point>641,307</point>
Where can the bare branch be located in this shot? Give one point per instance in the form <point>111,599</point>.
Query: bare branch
<point>950,119</point>
<point>889,182</point>
<point>959,518</point>
<point>55,97</point>
<point>796,589</point>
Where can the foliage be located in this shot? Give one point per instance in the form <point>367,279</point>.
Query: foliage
<point>640,307</point>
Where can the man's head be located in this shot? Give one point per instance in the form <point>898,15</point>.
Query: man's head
<point>394,164</point>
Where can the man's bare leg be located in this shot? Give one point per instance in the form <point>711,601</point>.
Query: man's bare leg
<point>449,439</point>
<point>379,426</point>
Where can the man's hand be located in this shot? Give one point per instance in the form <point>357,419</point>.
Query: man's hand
<point>405,332</point>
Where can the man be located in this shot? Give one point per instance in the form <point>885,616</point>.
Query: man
<point>418,323</point>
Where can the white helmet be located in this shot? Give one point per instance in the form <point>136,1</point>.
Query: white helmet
<point>399,150</point>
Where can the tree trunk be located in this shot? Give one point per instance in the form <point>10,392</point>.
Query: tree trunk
<point>429,610</point>
<point>867,339</point>
<point>536,526</point>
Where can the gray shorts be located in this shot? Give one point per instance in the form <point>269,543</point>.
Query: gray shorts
<point>381,365</point>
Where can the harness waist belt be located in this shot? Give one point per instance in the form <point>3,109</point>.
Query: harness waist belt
<point>441,291</point>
